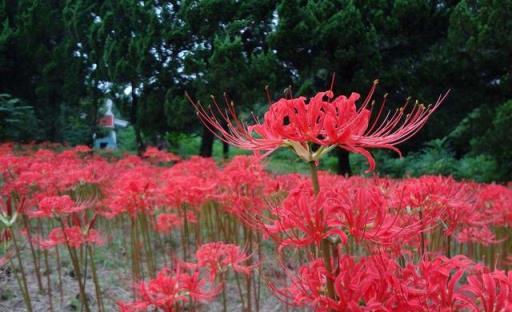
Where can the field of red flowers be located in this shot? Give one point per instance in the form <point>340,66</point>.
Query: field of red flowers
<point>188,232</point>
<point>181,233</point>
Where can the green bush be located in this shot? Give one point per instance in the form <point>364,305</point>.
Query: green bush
<point>480,168</point>
<point>496,142</point>
<point>74,128</point>
<point>18,121</point>
<point>434,159</point>
<point>126,139</point>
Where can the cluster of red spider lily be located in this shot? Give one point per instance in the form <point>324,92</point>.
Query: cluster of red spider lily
<point>324,121</point>
<point>190,229</point>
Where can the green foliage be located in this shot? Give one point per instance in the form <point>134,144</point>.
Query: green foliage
<point>17,121</point>
<point>496,142</point>
<point>480,168</point>
<point>39,64</point>
<point>126,139</point>
<point>434,159</point>
<point>74,126</point>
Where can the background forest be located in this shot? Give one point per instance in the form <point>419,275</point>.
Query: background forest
<point>59,60</point>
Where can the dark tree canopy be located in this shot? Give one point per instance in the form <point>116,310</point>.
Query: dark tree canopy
<point>60,59</point>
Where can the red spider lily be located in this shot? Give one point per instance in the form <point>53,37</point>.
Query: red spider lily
<point>293,123</point>
<point>363,285</point>
<point>242,186</point>
<point>51,173</point>
<point>205,168</point>
<point>135,190</point>
<point>56,206</point>
<point>363,213</point>
<point>489,292</point>
<point>244,174</point>
<point>192,182</point>
<point>81,149</point>
<point>157,156</point>
<point>432,284</point>
<point>73,236</point>
<point>304,218</point>
<point>170,288</point>
<point>218,257</point>
<point>477,234</point>
<point>360,286</point>
<point>165,222</point>
<point>190,190</point>
<point>377,283</point>
<point>135,306</point>
<point>308,287</point>
<point>439,197</point>
<point>338,211</point>
<point>494,202</point>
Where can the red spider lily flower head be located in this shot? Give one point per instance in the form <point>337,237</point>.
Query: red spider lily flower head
<point>432,285</point>
<point>73,236</point>
<point>363,213</point>
<point>324,120</point>
<point>157,156</point>
<point>135,190</point>
<point>197,166</point>
<point>363,285</point>
<point>304,219</point>
<point>496,202</point>
<point>168,288</point>
<point>307,287</point>
<point>438,197</point>
<point>378,283</point>
<point>82,149</point>
<point>56,206</point>
<point>191,182</point>
<point>340,210</point>
<point>243,186</point>
<point>244,172</point>
<point>488,291</point>
<point>218,257</point>
<point>189,189</point>
<point>165,222</point>
<point>477,234</point>
<point>135,306</point>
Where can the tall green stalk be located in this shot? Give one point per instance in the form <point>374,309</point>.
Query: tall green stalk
<point>48,279</point>
<point>75,261</point>
<point>33,253</point>
<point>25,292</point>
<point>325,244</point>
<point>95,279</point>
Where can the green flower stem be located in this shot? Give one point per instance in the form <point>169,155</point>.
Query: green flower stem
<point>325,244</point>
<point>25,293</point>
<point>97,288</point>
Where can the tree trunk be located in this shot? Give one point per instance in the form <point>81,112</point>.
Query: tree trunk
<point>134,121</point>
<point>206,149</point>
<point>343,167</point>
